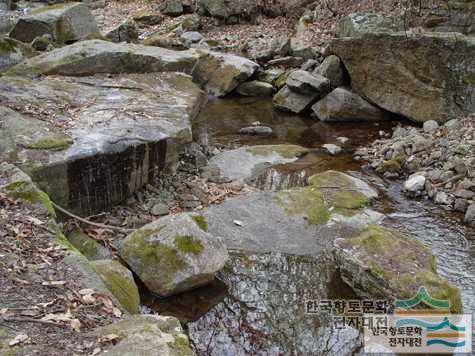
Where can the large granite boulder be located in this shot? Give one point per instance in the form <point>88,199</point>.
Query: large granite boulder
<point>90,142</point>
<point>147,335</point>
<point>423,77</point>
<point>343,105</point>
<point>245,162</point>
<point>381,263</point>
<point>12,52</point>
<point>66,23</point>
<point>97,56</point>
<point>221,73</point>
<point>358,24</point>
<point>230,11</point>
<point>174,254</point>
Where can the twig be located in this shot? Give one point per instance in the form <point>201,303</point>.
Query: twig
<point>85,221</point>
<point>31,320</point>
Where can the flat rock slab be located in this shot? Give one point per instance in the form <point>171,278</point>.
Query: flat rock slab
<point>64,22</point>
<point>245,162</point>
<point>97,56</point>
<point>92,141</point>
<point>423,77</point>
<point>301,221</point>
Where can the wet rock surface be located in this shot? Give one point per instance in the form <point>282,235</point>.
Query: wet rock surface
<point>92,139</point>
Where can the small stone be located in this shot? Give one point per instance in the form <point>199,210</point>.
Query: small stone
<point>309,65</point>
<point>238,223</point>
<point>219,180</point>
<point>453,125</point>
<point>415,183</point>
<point>342,140</point>
<point>461,205</point>
<point>442,198</point>
<point>463,193</point>
<point>172,7</point>
<point>332,149</point>
<point>470,215</point>
<point>159,210</point>
<point>41,43</point>
<point>430,126</point>
<point>256,131</point>
<point>191,37</point>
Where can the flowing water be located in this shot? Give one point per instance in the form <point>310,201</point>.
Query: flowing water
<point>258,304</point>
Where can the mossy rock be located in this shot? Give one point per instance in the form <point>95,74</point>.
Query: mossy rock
<point>120,282</point>
<point>394,165</point>
<point>382,263</point>
<point>87,246</point>
<point>55,143</point>
<point>147,335</point>
<point>174,254</point>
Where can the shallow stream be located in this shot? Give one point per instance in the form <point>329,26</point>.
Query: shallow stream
<point>258,307</point>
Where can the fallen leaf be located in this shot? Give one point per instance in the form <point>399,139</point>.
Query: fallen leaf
<point>54,283</point>
<point>76,325</point>
<point>96,351</point>
<point>117,313</point>
<point>88,299</point>
<point>86,291</point>
<point>19,339</point>
<point>109,338</point>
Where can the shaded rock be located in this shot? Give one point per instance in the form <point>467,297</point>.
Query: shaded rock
<point>343,105</point>
<point>165,41</point>
<point>332,149</point>
<point>190,23</point>
<point>172,7</point>
<point>120,282</point>
<point>358,24</point>
<point>159,210</point>
<point>304,82</point>
<point>288,100</point>
<point>96,56</point>
<point>424,77</point>
<point>104,147</point>
<point>89,247</point>
<point>244,162</point>
<point>66,23</point>
<point>400,267</point>
<point>270,75</point>
<point>309,65</point>
<point>256,131</point>
<point>147,335</point>
<point>451,16</point>
<point>470,215</point>
<point>125,32</point>
<point>230,11</point>
<point>255,88</point>
<point>222,73</point>
<point>148,18</point>
<point>42,43</point>
<point>332,69</point>
<point>174,254</point>
<point>287,62</point>
<point>12,52</point>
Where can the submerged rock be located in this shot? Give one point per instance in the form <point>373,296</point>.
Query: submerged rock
<point>423,77</point>
<point>67,23</point>
<point>147,335</point>
<point>105,152</point>
<point>120,282</point>
<point>96,56</point>
<point>244,162</point>
<point>288,100</point>
<point>174,254</point>
<point>221,73</point>
<point>343,105</point>
<point>381,263</point>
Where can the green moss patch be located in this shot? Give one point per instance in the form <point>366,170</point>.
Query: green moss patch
<point>50,143</point>
<point>200,220</point>
<point>188,244</point>
<point>28,192</point>
<point>392,166</point>
<point>180,346</point>
<point>403,262</point>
